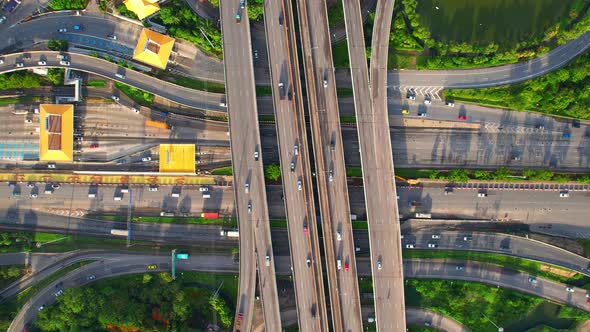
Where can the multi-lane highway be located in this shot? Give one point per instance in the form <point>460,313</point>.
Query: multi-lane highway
<point>329,165</point>
<point>115,264</point>
<point>249,188</point>
<point>185,96</point>
<point>370,97</point>
<point>295,169</point>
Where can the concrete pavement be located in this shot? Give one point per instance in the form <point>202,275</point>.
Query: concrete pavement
<point>329,165</point>
<point>294,160</point>
<point>370,97</point>
<point>249,188</point>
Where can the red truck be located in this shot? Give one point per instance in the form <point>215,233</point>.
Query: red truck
<point>238,326</point>
<point>210,215</point>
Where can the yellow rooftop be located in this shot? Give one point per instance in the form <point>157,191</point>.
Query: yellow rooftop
<point>57,132</point>
<point>153,48</point>
<point>142,8</point>
<point>177,158</point>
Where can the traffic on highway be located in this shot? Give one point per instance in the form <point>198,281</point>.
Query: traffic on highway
<point>291,150</point>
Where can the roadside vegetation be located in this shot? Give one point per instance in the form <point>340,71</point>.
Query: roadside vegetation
<point>56,76</point>
<point>10,274</point>
<point>96,83</point>
<point>475,305</point>
<point>145,302</point>
<point>563,92</point>
<point>139,96</point>
<point>183,23</point>
<point>461,175</point>
<point>196,84</point>
<point>529,266</point>
<point>122,10</point>
<point>67,4</point>
<point>225,171</point>
<point>433,37</point>
<point>57,45</point>
<point>272,172</point>
<point>10,308</point>
<point>226,222</point>
<point>21,79</point>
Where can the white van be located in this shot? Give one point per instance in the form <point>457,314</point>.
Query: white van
<point>91,195</point>
<point>175,194</point>
<point>206,195</point>
<point>339,264</point>
<point>117,198</point>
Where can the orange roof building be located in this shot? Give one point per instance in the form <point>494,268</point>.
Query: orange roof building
<point>153,48</point>
<point>142,8</point>
<point>56,140</point>
<point>177,158</point>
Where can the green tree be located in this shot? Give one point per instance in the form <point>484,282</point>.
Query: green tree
<point>56,76</point>
<point>458,175</point>
<point>272,172</point>
<point>482,175</point>
<point>501,173</point>
<point>222,310</point>
<point>57,45</point>
<point>67,4</point>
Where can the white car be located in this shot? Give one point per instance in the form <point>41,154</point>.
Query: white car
<point>564,194</point>
<point>247,188</point>
<point>325,83</point>
<point>64,63</point>
<point>1,61</point>
<point>410,246</point>
<point>436,236</point>
<point>339,236</point>
<point>432,245</point>
<point>299,184</point>
<point>379,265</point>
<point>33,195</point>
<point>427,101</point>
<point>42,63</point>
<point>249,208</point>
<point>135,110</point>
<point>51,165</point>
<point>204,189</point>
<point>59,292</point>
<point>569,289</point>
<point>450,104</point>
<point>41,308</point>
<point>482,195</point>
<point>115,98</point>
<point>62,30</point>
<point>146,159</point>
<point>19,64</point>
<point>153,188</point>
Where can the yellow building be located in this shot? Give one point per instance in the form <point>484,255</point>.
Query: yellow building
<point>142,8</point>
<point>177,158</point>
<point>153,48</point>
<point>56,132</point>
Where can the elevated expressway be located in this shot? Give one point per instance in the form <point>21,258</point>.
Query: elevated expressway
<point>249,189</point>
<point>295,169</point>
<point>330,168</point>
<point>370,98</point>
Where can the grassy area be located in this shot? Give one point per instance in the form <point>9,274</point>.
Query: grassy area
<point>360,225</point>
<point>278,223</point>
<point>347,119</point>
<point>10,308</point>
<point>335,14</point>
<point>354,172</point>
<point>227,222</point>
<point>340,54</point>
<point>18,100</point>
<point>586,245</point>
<point>139,96</point>
<point>516,263</point>
<point>266,118</point>
<point>491,21</point>
<point>227,171</point>
<point>96,83</point>
<point>344,92</point>
<point>10,274</point>
<point>411,173</point>
<point>198,85</point>
<point>263,91</point>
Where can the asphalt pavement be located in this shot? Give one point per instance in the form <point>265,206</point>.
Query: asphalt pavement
<point>121,264</point>
<point>249,184</point>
